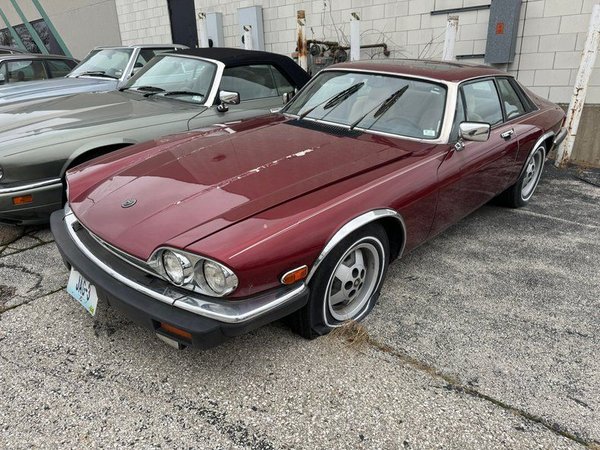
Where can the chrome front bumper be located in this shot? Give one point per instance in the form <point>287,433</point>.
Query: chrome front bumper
<point>225,311</point>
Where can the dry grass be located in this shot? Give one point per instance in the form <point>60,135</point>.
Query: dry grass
<point>352,333</point>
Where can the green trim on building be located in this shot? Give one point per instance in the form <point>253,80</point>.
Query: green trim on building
<point>53,30</point>
<point>12,31</point>
<point>32,32</point>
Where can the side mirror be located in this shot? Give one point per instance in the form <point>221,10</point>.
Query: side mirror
<point>474,131</point>
<point>287,96</point>
<point>228,98</point>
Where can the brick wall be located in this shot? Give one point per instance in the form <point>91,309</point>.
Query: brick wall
<point>551,32</point>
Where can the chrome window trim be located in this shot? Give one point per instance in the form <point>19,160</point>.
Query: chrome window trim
<point>54,182</point>
<point>228,311</point>
<point>353,225</point>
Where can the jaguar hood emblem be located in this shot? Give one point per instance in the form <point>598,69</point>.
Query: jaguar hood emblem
<point>128,203</point>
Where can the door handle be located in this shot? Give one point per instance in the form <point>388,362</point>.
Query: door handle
<point>507,134</point>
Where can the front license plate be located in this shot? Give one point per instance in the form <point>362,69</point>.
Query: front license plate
<point>83,291</point>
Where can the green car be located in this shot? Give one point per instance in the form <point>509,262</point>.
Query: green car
<point>175,92</point>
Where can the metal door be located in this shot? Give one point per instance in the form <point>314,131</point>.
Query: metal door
<point>183,22</point>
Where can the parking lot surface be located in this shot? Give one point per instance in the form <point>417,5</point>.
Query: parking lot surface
<point>486,336</point>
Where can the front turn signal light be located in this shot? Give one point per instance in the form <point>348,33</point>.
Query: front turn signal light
<point>300,273</point>
<point>22,200</point>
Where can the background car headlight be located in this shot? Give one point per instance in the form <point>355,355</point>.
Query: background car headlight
<point>176,266</point>
<point>1,172</point>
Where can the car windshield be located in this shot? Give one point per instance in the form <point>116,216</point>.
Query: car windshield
<point>385,103</point>
<point>108,62</point>
<point>177,77</point>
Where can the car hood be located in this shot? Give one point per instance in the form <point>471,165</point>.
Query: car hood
<point>51,88</point>
<point>43,120</point>
<point>201,184</point>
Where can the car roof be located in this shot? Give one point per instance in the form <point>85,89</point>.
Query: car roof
<point>437,70</point>
<point>103,47</point>
<point>233,57</point>
<point>34,56</point>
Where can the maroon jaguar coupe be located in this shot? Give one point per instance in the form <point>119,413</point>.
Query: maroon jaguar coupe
<point>214,232</point>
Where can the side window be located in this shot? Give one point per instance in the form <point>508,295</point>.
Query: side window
<point>3,78</point>
<point>252,82</point>
<point>26,71</point>
<point>281,83</point>
<point>58,67</point>
<point>512,103</point>
<point>482,102</point>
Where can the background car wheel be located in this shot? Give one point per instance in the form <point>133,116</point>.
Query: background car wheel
<point>347,284</point>
<point>520,193</point>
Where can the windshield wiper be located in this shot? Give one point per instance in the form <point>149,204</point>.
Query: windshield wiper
<point>335,100</point>
<point>175,93</point>
<point>96,73</point>
<point>147,90</point>
<point>383,107</point>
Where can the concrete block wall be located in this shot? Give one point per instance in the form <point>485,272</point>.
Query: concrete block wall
<point>551,33</point>
<point>144,21</point>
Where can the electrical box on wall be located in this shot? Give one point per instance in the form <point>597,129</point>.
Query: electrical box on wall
<point>502,31</point>
<point>252,16</point>
<point>214,28</point>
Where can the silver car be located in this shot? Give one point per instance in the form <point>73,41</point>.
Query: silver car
<point>103,69</point>
<point>175,92</point>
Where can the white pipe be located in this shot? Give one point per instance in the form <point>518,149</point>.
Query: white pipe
<point>588,58</point>
<point>248,37</point>
<point>450,39</point>
<point>301,39</point>
<point>354,37</point>
<point>202,30</point>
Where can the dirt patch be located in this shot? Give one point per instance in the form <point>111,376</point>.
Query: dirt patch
<point>6,293</point>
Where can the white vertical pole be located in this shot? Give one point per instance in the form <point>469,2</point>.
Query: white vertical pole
<point>301,39</point>
<point>354,37</point>
<point>588,59</point>
<point>202,30</point>
<point>248,37</point>
<point>450,39</point>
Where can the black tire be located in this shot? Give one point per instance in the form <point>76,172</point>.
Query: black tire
<point>320,315</point>
<point>519,194</point>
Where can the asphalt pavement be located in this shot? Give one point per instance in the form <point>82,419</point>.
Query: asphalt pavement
<point>485,337</point>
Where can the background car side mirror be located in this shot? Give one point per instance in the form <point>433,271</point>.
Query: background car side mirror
<point>227,98</point>
<point>472,131</point>
<point>287,96</point>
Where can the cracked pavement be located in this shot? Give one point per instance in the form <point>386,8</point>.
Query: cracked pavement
<point>486,336</point>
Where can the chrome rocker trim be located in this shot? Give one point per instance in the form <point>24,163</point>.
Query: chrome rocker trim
<point>54,182</point>
<point>228,311</point>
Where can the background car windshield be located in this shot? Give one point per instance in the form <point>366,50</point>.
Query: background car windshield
<point>108,61</point>
<point>417,112</point>
<point>175,74</point>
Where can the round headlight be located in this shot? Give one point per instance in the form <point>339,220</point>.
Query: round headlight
<point>175,266</point>
<point>218,278</point>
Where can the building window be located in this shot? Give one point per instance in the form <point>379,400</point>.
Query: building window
<point>43,32</point>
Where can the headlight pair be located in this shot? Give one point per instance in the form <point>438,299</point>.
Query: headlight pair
<point>197,273</point>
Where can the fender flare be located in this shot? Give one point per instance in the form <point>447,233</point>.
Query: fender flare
<point>353,225</point>
<point>94,145</point>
